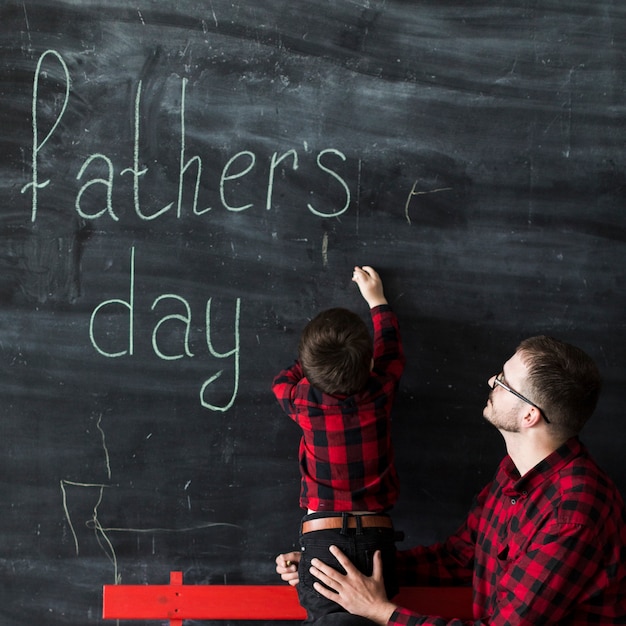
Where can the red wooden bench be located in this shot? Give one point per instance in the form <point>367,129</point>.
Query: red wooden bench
<point>177,602</point>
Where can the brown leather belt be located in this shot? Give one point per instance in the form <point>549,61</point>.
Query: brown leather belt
<point>326,523</point>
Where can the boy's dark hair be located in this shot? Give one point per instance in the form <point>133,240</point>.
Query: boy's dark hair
<point>564,381</point>
<point>336,352</point>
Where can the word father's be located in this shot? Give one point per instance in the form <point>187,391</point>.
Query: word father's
<point>238,166</point>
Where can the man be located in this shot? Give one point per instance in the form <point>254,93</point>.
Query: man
<point>545,541</point>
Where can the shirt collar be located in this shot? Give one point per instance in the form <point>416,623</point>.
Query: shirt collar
<point>551,464</point>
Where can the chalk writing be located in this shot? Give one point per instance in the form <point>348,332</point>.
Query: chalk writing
<point>419,193</point>
<point>126,335</point>
<point>98,176</point>
<point>93,523</point>
<point>221,355</point>
<point>97,192</point>
<point>37,146</point>
<point>104,446</point>
<point>100,487</point>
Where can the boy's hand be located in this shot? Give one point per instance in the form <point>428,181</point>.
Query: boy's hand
<point>287,567</point>
<point>370,285</point>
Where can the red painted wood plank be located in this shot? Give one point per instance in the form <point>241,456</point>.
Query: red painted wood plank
<point>236,602</point>
<point>252,602</point>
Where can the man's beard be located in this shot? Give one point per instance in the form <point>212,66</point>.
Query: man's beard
<point>504,421</point>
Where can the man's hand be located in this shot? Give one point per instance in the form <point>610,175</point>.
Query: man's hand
<point>287,567</point>
<point>356,593</point>
<point>370,285</point>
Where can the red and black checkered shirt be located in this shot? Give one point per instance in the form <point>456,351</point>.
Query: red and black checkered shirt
<point>346,456</point>
<point>547,548</point>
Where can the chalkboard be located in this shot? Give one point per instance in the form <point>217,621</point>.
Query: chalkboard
<point>184,184</point>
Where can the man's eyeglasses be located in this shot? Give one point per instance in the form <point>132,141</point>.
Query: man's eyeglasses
<point>499,380</point>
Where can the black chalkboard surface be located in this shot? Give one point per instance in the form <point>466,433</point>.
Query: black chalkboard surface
<point>184,184</point>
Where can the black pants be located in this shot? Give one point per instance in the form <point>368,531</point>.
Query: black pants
<point>359,545</point>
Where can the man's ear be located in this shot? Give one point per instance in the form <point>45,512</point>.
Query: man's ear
<point>532,417</point>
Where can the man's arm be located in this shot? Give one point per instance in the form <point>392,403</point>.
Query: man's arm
<point>450,562</point>
<point>544,585</point>
<point>365,595</point>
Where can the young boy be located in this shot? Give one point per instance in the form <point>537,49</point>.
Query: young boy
<point>340,392</point>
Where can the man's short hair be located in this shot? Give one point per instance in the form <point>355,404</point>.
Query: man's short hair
<point>563,380</point>
<point>336,351</point>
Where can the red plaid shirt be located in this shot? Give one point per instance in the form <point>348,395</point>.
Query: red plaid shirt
<point>346,456</point>
<point>547,548</point>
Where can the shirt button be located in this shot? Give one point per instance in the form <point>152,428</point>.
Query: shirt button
<point>513,500</point>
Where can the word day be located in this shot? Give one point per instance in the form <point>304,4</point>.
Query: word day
<point>124,338</point>
<point>94,199</point>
